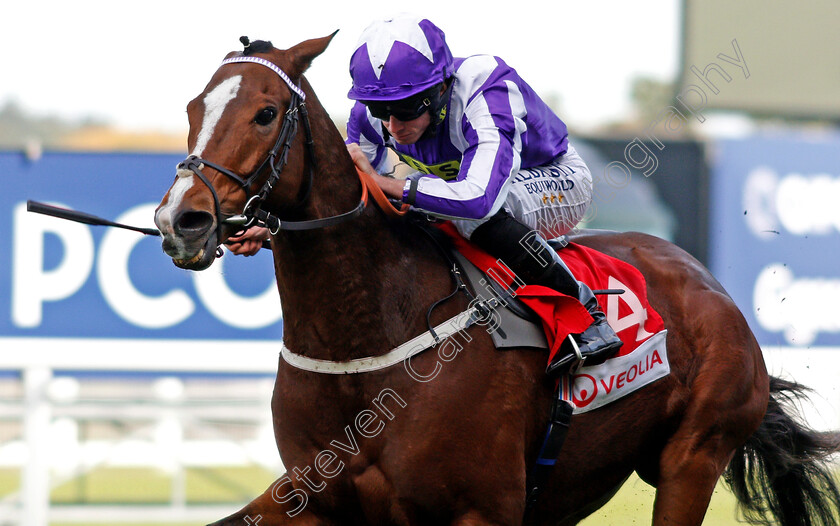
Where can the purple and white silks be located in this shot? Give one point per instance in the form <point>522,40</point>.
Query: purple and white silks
<point>495,125</point>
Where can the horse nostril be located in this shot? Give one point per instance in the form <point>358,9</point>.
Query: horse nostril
<point>193,223</point>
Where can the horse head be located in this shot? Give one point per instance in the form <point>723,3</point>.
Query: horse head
<point>246,154</point>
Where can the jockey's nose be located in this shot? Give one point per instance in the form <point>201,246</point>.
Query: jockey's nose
<point>193,224</point>
<point>395,124</point>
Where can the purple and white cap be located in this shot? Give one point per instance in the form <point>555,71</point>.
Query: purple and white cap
<point>397,58</point>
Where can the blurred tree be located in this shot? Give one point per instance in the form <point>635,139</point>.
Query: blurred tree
<point>19,129</point>
<point>554,100</point>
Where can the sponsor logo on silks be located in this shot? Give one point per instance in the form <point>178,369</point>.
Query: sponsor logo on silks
<point>543,172</point>
<point>549,185</point>
<point>442,114</point>
<point>446,171</point>
<point>599,385</point>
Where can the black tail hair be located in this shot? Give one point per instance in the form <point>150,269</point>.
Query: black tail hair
<point>783,473</point>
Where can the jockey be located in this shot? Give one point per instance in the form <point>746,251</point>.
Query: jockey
<point>489,155</point>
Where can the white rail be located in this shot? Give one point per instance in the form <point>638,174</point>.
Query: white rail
<point>37,360</point>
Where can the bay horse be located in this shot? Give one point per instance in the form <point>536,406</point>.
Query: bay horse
<point>382,448</point>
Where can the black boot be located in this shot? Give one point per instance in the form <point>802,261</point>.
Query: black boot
<point>532,259</point>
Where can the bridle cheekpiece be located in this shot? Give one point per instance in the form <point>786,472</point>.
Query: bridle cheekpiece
<point>275,160</point>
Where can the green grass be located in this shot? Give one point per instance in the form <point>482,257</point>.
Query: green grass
<point>206,485</point>
<point>115,485</point>
<point>9,481</point>
<point>151,486</point>
<point>633,505</point>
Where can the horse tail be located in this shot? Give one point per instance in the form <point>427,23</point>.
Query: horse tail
<point>783,471</point>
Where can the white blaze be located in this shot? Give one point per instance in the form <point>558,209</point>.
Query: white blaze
<point>214,106</point>
<point>215,103</point>
<point>163,217</point>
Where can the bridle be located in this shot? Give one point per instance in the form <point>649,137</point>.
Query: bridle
<point>275,160</point>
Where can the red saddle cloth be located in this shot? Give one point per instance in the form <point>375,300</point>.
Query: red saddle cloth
<point>629,314</point>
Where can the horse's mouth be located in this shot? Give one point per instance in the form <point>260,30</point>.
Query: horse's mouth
<point>188,262</point>
<point>203,259</point>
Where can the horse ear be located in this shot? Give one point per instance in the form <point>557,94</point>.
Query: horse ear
<point>304,53</point>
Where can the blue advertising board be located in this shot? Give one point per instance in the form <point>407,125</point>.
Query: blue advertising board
<point>61,279</point>
<point>775,235</point>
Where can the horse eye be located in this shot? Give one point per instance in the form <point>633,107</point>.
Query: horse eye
<point>265,116</point>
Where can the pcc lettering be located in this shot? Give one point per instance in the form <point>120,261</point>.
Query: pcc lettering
<point>34,284</point>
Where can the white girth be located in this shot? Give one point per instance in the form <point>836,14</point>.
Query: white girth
<point>374,363</point>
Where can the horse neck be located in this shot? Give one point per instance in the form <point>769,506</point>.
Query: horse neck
<point>347,290</point>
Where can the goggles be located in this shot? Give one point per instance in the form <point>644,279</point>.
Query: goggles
<point>405,109</point>
<point>398,109</point>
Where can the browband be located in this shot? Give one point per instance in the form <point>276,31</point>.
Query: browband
<point>270,65</point>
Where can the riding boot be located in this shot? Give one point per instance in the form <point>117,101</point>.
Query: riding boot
<point>532,258</point>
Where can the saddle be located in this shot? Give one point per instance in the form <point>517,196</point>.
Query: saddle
<point>514,324</point>
<point>517,324</point>
<point>536,317</point>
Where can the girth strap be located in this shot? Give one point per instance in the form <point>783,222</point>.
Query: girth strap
<point>410,348</point>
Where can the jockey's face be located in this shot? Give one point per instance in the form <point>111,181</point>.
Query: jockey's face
<point>407,132</point>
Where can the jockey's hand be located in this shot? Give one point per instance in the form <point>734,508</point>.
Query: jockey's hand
<point>248,242</point>
<point>392,187</point>
<point>360,159</point>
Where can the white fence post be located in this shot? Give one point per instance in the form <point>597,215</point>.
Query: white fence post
<point>36,474</point>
